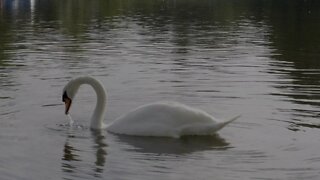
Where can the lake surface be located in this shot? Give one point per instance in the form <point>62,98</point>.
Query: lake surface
<point>257,58</point>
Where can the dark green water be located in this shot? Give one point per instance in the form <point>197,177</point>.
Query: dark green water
<point>258,58</point>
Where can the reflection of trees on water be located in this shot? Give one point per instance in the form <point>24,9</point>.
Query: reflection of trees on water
<point>295,38</point>
<point>296,32</point>
<point>179,17</point>
<point>13,15</point>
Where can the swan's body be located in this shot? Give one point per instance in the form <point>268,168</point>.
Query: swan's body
<point>157,119</point>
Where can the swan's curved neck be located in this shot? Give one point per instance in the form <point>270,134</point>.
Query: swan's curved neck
<point>99,111</point>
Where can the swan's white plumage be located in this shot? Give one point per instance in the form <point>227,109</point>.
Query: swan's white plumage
<point>166,119</point>
<point>169,119</point>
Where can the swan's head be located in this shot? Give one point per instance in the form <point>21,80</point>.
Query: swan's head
<point>68,93</point>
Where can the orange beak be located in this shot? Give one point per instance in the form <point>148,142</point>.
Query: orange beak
<point>67,102</point>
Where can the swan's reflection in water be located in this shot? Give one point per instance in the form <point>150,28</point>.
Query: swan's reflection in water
<point>73,154</point>
<point>85,156</point>
<point>183,145</point>
<point>101,153</point>
<point>69,155</point>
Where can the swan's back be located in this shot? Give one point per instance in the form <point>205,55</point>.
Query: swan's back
<point>165,119</point>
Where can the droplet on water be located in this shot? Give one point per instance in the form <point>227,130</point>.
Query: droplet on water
<point>70,120</point>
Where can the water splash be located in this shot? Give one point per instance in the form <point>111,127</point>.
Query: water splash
<point>70,120</point>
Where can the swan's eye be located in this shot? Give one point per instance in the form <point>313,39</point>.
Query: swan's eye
<point>65,96</point>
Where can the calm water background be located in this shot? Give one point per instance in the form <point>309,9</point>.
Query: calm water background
<point>258,58</point>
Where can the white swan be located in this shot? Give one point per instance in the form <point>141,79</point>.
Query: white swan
<point>169,119</point>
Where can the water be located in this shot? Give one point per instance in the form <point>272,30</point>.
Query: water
<point>256,58</point>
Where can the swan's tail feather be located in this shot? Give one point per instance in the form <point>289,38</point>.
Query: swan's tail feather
<point>205,129</point>
<point>224,123</point>
<point>232,119</point>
